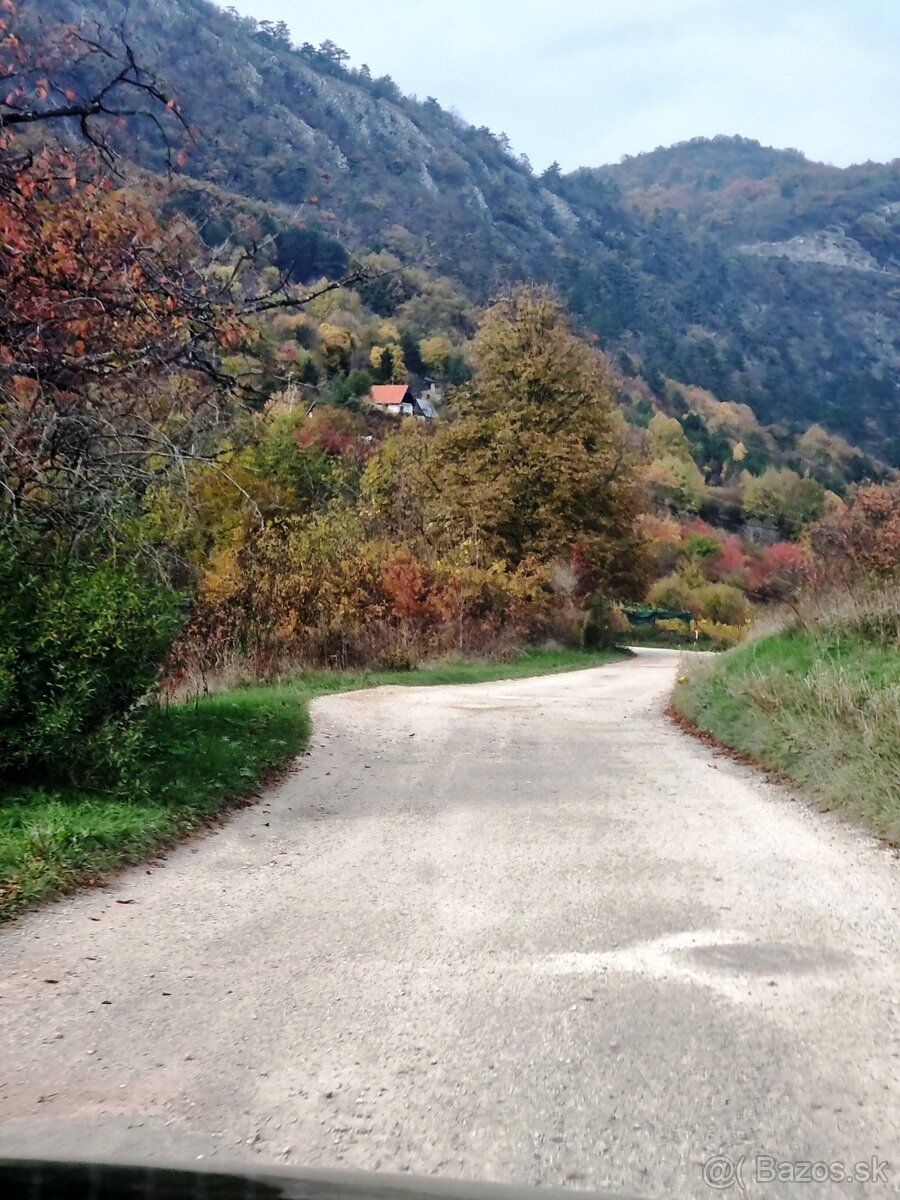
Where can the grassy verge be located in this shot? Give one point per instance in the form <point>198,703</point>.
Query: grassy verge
<point>201,757</point>
<point>662,642</point>
<point>819,702</point>
<point>667,639</point>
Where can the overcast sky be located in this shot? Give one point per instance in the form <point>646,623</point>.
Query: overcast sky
<point>586,81</point>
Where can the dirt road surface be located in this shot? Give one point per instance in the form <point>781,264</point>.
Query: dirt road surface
<point>520,931</point>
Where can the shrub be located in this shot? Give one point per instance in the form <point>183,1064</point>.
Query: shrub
<point>784,498</point>
<point>859,539</point>
<point>675,592</point>
<point>320,591</point>
<point>82,645</point>
<point>663,537</point>
<point>721,635</point>
<point>731,565</point>
<point>675,626</point>
<point>724,604</point>
<point>779,572</point>
<point>702,547</point>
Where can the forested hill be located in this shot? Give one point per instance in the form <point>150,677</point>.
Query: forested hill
<point>739,190</point>
<point>789,296</point>
<point>751,272</point>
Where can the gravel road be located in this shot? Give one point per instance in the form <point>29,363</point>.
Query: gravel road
<point>520,931</point>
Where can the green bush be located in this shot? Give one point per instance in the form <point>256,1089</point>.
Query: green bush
<point>82,644</point>
<point>723,604</point>
<point>675,592</point>
<point>702,547</point>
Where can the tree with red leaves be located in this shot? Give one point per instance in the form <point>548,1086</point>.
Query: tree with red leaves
<point>861,539</point>
<point>780,572</point>
<point>112,340</point>
<point>111,335</point>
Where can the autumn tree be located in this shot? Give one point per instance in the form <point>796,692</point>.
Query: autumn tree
<point>667,438</point>
<point>388,364</point>
<point>780,571</point>
<point>99,306</point>
<point>534,464</point>
<point>860,539</point>
<point>785,498</point>
<point>114,339</point>
<point>435,352</point>
<point>113,380</point>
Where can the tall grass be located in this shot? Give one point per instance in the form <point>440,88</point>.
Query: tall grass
<point>819,700</point>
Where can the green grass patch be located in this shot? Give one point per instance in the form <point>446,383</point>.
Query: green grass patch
<point>199,758</point>
<point>820,704</point>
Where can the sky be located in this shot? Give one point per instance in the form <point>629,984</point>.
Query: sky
<point>584,82</point>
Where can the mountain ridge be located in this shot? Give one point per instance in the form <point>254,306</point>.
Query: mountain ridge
<point>683,257</point>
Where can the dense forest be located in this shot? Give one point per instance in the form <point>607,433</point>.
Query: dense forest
<point>752,273</point>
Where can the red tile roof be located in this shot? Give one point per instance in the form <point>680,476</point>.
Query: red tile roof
<point>389,393</point>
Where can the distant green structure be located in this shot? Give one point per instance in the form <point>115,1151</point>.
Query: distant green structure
<point>649,616</point>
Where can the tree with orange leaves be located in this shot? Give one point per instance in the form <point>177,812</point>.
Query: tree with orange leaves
<point>861,538</point>
<point>111,381</point>
<point>111,334</point>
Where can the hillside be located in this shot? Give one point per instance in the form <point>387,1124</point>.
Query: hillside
<point>808,280</point>
<point>752,273</point>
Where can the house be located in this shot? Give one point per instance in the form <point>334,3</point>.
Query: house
<point>394,398</point>
<point>430,400</point>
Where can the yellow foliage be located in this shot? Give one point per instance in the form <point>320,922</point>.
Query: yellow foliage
<point>334,336</point>
<point>828,446</point>
<point>388,332</point>
<point>337,344</point>
<point>725,635</point>
<point>666,626</point>
<point>324,306</point>
<point>382,262</point>
<point>618,622</point>
<point>221,577</point>
<point>435,351</point>
<point>667,438</point>
<point>285,322</point>
<point>399,373</point>
<point>675,477</point>
<point>727,417</point>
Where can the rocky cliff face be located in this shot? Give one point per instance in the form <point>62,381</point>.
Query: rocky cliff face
<point>765,278</point>
<point>828,247</point>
